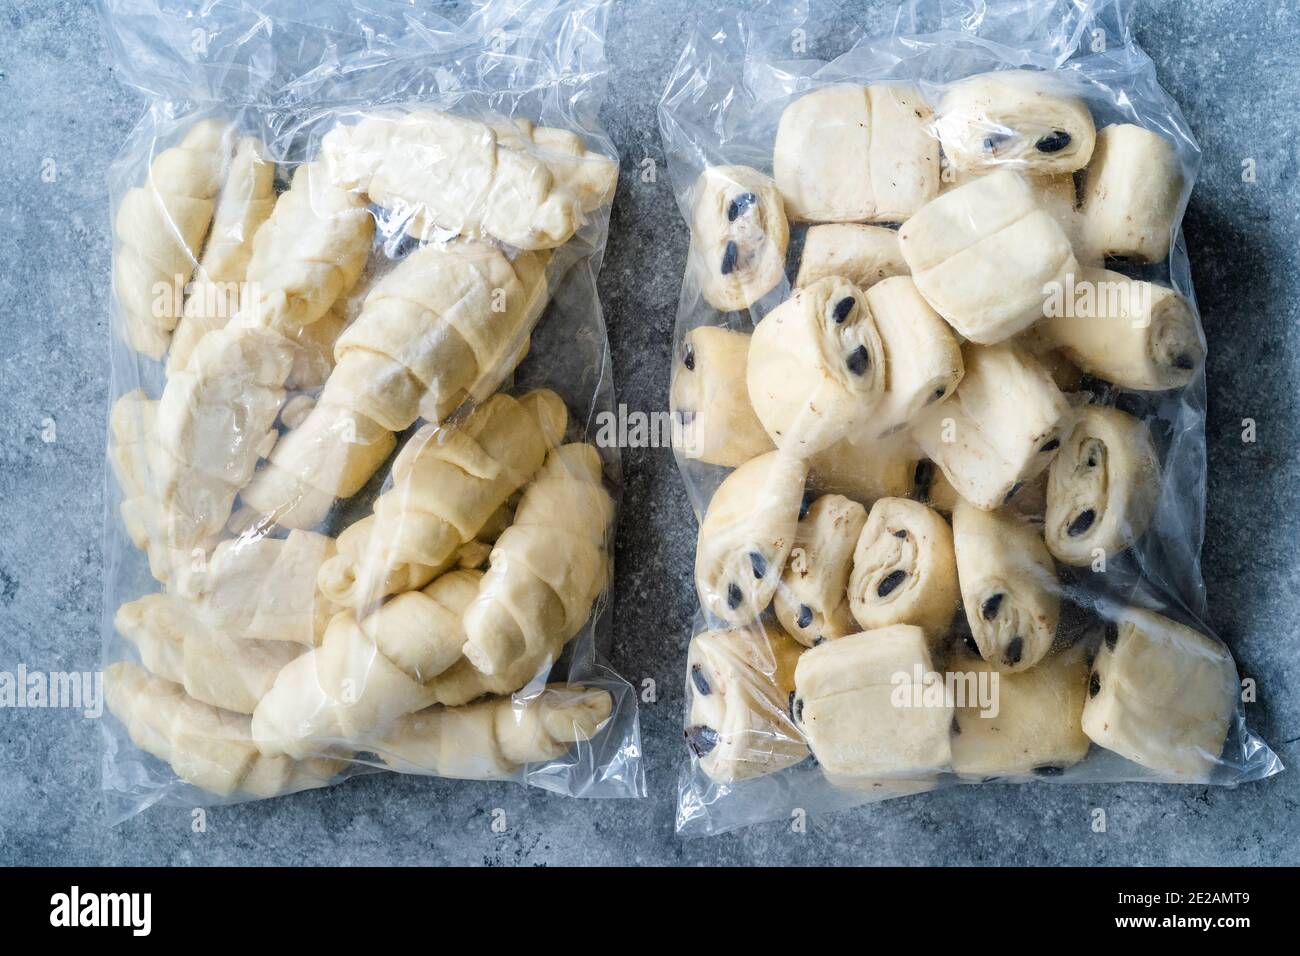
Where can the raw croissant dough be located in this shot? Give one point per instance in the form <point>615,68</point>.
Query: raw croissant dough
<point>1161,695</point>
<point>262,588</point>
<point>810,601</point>
<point>817,368</point>
<point>741,684</point>
<point>1001,428</point>
<point>215,667</point>
<point>366,673</point>
<point>746,536</point>
<point>1102,486</point>
<point>446,484</point>
<point>1020,118</point>
<point>1131,192</point>
<point>1008,586</point>
<point>1036,728</point>
<point>494,739</point>
<point>983,255</point>
<point>856,153</point>
<point>904,569</point>
<point>738,236</point>
<point>547,569</point>
<point>159,229</point>
<point>528,186</point>
<point>207,747</point>
<point>448,323</point>
<point>710,399</point>
<point>246,199</point>
<point>845,704</point>
<point>862,254</point>
<point>1131,333</point>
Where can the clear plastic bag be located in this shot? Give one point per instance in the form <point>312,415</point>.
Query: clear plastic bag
<point>393,333</point>
<point>751,363</point>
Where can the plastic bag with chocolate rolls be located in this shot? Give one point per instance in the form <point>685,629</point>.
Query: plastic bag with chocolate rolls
<point>939,403</point>
<point>356,518</point>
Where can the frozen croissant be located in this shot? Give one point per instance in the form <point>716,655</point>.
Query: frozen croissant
<point>1102,486</point>
<point>849,153</point>
<point>922,356</point>
<point>904,569</point>
<point>984,254</point>
<point>865,470</point>
<point>847,705</point>
<point>999,430</point>
<point>810,601</point>
<point>1131,333</point>
<point>1008,586</point>
<point>710,399</point>
<point>816,369</point>
<point>262,588</point>
<point>447,483</point>
<point>738,236</point>
<point>528,186</point>
<point>746,536</point>
<point>133,453</point>
<point>1020,118</point>
<point>366,673</point>
<point>1017,724</point>
<point>159,229</point>
<point>861,253</point>
<point>1131,192</point>
<point>740,684</point>
<point>245,202</point>
<point>447,324</point>
<point>494,739</point>
<point>214,667</point>
<point>206,746</point>
<point>547,569</point>
<point>1161,695</point>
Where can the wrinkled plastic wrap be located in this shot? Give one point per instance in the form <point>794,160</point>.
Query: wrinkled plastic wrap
<point>876,325</point>
<point>355,517</point>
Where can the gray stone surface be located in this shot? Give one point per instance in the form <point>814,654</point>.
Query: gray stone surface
<point>1233,66</point>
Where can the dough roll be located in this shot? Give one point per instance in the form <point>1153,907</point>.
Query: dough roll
<point>1026,723</point>
<point>861,253</point>
<point>710,399</point>
<point>494,739</point>
<point>1021,118</point>
<point>244,203</point>
<point>159,229</point>
<point>528,186</point>
<point>847,705</point>
<point>446,483</point>
<point>922,356</point>
<point>746,536</point>
<point>848,153</point>
<point>739,685</point>
<point>1001,427</point>
<point>904,569</point>
<point>1131,193</point>
<point>1131,333</point>
<point>1008,586</point>
<point>547,569</point>
<point>739,236</point>
<point>817,368</point>
<point>1161,695</point>
<point>214,667</point>
<point>210,748</point>
<point>1102,486</point>
<point>810,602</point>
<point>983,254</point>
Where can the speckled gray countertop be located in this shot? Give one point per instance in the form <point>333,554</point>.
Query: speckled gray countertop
<point>1234,67</point>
